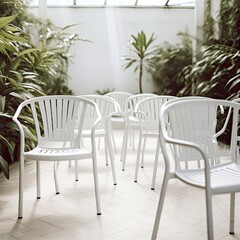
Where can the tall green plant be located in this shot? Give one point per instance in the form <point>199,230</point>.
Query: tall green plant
<point>224,22</point>
<point>236,24</point>
<point>13,88</point>
<point>27,69</point>
<point>53,60</point>
<point>140,54</point>
<point>208,27</point>
<point>168,62</point>
<point>214,74</point>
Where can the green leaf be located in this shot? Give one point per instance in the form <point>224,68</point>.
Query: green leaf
<point>27,51</point>
<point>6,20</point>
<point>12,29</point>
<point>14,37</point>
<point>4,166</point>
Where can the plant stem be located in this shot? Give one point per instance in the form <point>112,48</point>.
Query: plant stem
<point>140,76</point>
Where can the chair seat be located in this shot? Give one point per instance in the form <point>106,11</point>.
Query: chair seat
<point>224,178</point>
<point>59,154</point>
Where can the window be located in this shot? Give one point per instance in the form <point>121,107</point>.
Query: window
<point>116,2</point>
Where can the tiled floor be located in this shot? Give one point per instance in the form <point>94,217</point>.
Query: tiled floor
<point>128,209</point>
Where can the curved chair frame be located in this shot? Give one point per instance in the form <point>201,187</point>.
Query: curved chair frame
<point>189,126</point>
<point>147,111</point>
<point>56,119</point>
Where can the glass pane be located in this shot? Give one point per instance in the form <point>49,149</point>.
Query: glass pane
<point>117,2</point>
<point>181,2</point>
<point>59,2</point>
<point>52,2</point>
<point>33,2</point>
<point>170,2</point>
<point>152,2</point>
<point>90,2</point>
<point>121,2</point>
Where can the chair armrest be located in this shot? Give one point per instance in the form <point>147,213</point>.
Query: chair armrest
<point>140,115</point>
<point>20,127</point>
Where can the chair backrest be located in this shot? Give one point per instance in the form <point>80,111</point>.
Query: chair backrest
<point>59,118</point>
<point>121,98</point>
<point>147,110</point>
<point>134,99</point>
<point>198,121</point>
<point>107,107</point>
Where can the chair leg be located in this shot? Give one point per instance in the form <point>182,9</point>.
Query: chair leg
<point>55,169</point>
<point>209,215</point>
<point>76,170</point>
<point>109,149</point>
<point>133,140</point>
<point>232,213</point>
<point>113,140</point>
<point>138,157</point>
<point>38,179</point>
<point>21,180</point>
<point>160,207</point>
<point>124,147</point>
<point>96,187</point>
<point>155,166</point>
<point>106,143</point>
<point>143,150</point>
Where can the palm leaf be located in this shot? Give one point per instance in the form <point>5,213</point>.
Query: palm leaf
<point>4,166</point>
<point>6,20</point>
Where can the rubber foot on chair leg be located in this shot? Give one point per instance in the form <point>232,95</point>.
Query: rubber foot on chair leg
<point>76,180</point>
<point>99,213</point>
<point>19,217</point>
<point>152,188</point>
<point>57,192</point>
<point>142,167</point>
<point>106,164</point>
<point>231,233</point>
<point>135,180</point>
<point>123,169</point>
<point>38,197</point>
<point>115,184</point>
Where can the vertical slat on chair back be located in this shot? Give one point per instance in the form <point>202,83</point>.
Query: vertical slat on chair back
<point>133,100</point>
<point>192,124</point>
<point>196,121</point>
<point>90,117</point>
<point>121,98</point>
<point>105,105</point>
<point>151,108</point>
<point>58,118</point>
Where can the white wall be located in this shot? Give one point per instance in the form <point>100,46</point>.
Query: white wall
<point>98,65</point>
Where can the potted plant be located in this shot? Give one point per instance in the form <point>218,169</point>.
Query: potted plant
<point>140,54</point>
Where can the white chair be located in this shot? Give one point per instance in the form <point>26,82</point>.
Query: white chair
<point>132,122</point>
<point>108,107</point>
<point>56,119</point>
<point>147,111</point>
<point>119,120</point>
<point>191,129</point>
